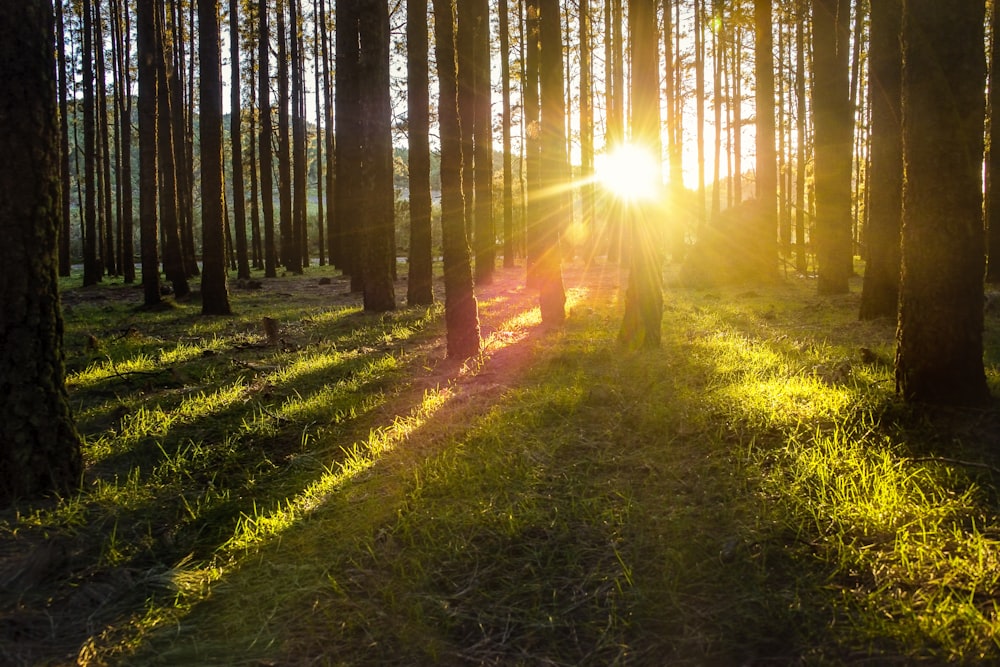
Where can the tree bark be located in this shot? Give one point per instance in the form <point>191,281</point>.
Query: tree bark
<point>419,286</point>
<point>833,120</point>
<point>485,234</point>
<point>148,80</point>
<point>767,171</point>
<point>236,143</point>
<point>266,132</point>
<point>939,353</point>
<point>214,291</point>
<point>461,309</point>
<point>880,292</point>
<point>39,444</point>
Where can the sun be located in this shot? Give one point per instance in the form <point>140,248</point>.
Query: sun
<point>629,172</point>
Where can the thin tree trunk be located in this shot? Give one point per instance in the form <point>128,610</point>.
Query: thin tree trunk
<point>286,228</point>
<point>419,287</point>
<point>91,265</point>
<point>331,156</point>
<point>767,170</point>
<point>236,143</point>
<point>485,234</point>
<point>300,254</point>
<point>65,261</point>
<point>266,176</point>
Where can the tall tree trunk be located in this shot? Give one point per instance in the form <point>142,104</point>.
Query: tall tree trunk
<point>767,170</point>
<point>348,124</point>
<point>173,258</point>
<point>183,143</point>
<point>465,40</point>
<point>39,444</point>
<point>257,239</point>
<point>123,31</point>
<point>939,352</point>
<point>236,142</point>
<point>641,324</point>
<point>587,125</point>
<point>300,254</point>
<point>834,123</point>
<point>104,149</point>
<point>672,97</point>
<point>91,263</point>
<point>460,308</point>
<point>65,261</point>
<point>485,236</point>
<point>699,93</point>
<point>880,292</point>
<point>508,161</point>
<point>801,262</point>
<point>286,228</point>
<point>331,184</point>
<point>532,143</point>
<point>148,80</point>
<point>379,235</point>
<point>554,164</point>
<point>993,151</point>
<point>266,131</point>
<point>419,286</point>
<point>319,65</point>
<point>214,292</point>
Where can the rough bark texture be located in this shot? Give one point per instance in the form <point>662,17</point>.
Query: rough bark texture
<point>236,143</point>
<point>554,166</point>
<point>39,445</point>
<point>348,126</point>
<point>485,234</point>
<point>765,247</point>
<point>880,293</point>
<point>379,237</point>
<point>939,354</point>
<point>460,307</point>
<point>834,122</point>
<point>266,130</point>
<point>214,291</point>
<point>420,279</point>
<point>146,43</point>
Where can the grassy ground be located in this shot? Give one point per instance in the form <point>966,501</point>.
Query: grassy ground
<point>751,493</point>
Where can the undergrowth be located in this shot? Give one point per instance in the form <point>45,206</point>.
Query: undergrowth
<point>751,493</point>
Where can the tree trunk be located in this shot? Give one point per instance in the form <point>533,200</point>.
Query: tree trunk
<point>65,261</point>
<point>834,123</point>
<point>124,85</point>
<point>939,353</point>
<point>236,143</point>
<point>641,324</point>
<point>508,166</point>
<point>880,293</point>
<point>91,263</point>
<point>993,152</point>
<point>461,309</point>
<point>39,444</point>
<point>587,194</point>
<point>801,263</point>
<point>532,143</point>
<point>379,237</point>
<point>331,183</point>
<point>266,132</point>
<point>767,171</point>
<point>173,258</point>
<point>485,236</point>
<point>147,58</point>
<point>554,166</point>
<point>348,124</point>
<point>214,292</point>
<point>300,256</point>
<point>419,286</point>
<point>289,254</point>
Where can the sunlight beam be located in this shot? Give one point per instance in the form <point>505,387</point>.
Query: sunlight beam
<point>629,172</point>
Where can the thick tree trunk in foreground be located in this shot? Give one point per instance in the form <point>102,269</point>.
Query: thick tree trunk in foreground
<point>460,306</point>
<point>39,444</point>
<point>939,353</point>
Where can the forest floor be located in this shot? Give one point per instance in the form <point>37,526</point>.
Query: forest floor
<point>339,492</point>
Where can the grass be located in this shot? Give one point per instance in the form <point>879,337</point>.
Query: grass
<point>751,493</point>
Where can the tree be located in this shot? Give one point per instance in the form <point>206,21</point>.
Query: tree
<point>880,292</point>
<point>508,166</point>
<point>348,127</point>
<point>939,353</point>
<point>289,248</point>
<point>419,285</point>
<point>91,263</point>
<point>993,153</point>
<point>767,171</point>
<point>378,210</point>
<point>266,130</point>
<point>833,120</point>
<point>554,166</point>
<point>214,293</point>
<point>236,143</point>
<point>65,262</point>
<point>641,325</point>
<point>300,254</point>
<point>485,234</point>
<point>148,81</point>
<point>460,306</point>
<point>39,444</point>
